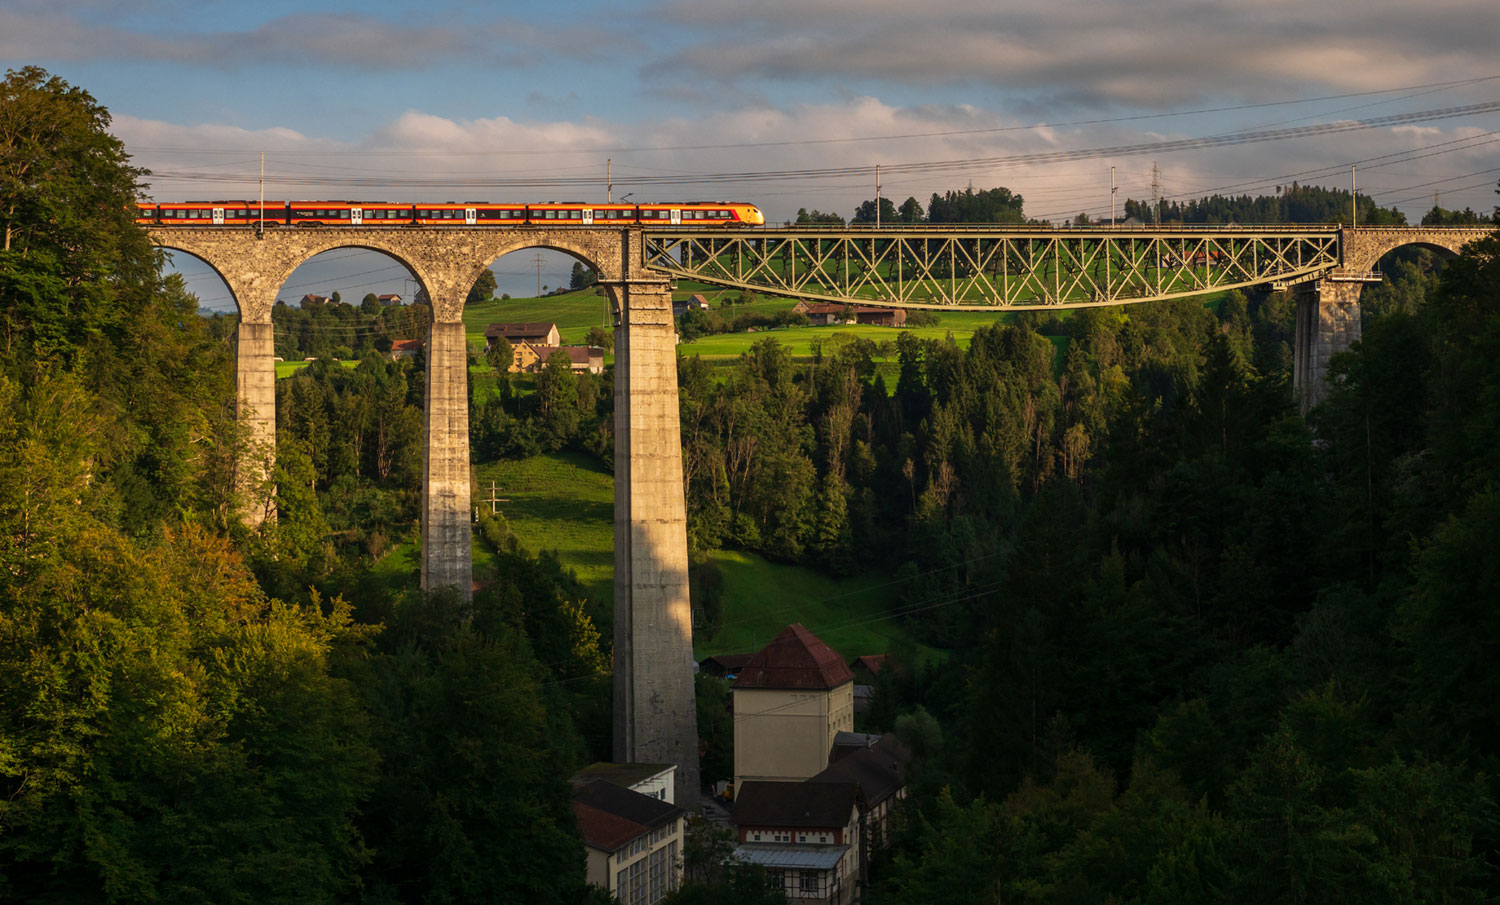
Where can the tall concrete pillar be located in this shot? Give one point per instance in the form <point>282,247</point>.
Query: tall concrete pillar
<point>1328,322</point>
<point>447,554</point>
<point>255,407</point>
<point>654,711</point>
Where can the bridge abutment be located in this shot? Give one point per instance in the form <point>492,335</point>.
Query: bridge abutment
<point>447,551</point>
<point>655,715</point>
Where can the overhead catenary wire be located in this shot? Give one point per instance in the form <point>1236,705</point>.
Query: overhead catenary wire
<point>734,146</point>
<point>861,171</point>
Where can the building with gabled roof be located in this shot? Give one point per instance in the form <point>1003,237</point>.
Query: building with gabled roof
<point>406,348</point>
<point>805,834</point>
<point>651,780</point>
<point>633,841</point>
<point>790,699</point>
<point>724,666</point>
<point>876,765</point>
<point>537,334</point>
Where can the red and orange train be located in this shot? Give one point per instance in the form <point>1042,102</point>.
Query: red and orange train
<point>448,213</point>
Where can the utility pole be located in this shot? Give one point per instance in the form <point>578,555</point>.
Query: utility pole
<point>609,180</point>
<point>1156,191</point>
<point>1113,191</point>
<point>877,196</point>
<point>1353,198</point>
<point>260,229</point>
<point>538,259</point>
<point>494,500</point>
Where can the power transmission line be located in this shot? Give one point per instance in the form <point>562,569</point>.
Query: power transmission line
<point>937,166</point>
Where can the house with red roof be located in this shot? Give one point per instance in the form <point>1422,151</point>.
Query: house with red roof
<point>405,348</point>
<point>791,699</point>
<point>633,841</point>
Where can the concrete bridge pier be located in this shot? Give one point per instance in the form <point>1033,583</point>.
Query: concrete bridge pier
<point>655,716</point>
<point>1328,322</point>
<point>447,551</point>
<point>255,408</point>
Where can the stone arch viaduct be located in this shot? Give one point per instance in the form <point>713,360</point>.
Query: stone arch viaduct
<point>1328,314</point>
<point>654,708</point>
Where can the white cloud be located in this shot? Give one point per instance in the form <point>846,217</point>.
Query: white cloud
<point>1151,53</point>
<point>419,146</point>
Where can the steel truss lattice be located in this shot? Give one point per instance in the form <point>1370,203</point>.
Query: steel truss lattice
<point>984,269</point>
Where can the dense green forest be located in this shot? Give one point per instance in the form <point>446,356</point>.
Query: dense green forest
<point>190,712</point>
<point>1199,647</point>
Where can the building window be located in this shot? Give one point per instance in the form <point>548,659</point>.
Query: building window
<point>636,893</point>
<point>809,881</point>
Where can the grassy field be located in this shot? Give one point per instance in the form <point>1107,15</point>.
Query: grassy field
<point>800,339</point>
<point>573,312</point>
<point>761,598</point>
<point>564,503</point>
<point>288,368</point>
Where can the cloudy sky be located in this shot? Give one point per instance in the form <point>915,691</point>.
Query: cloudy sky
<point>467,99</point>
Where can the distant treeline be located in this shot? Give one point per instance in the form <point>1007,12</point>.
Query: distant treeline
<point>1295,203</point>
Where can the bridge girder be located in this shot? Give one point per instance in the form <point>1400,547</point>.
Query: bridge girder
<point>988,269</point>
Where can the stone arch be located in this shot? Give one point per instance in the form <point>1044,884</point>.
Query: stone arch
<point>607,252</point>
<point>322,242</point>
<point>1363,248</point>
<point>178,248</point>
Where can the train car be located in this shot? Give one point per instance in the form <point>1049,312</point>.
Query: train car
<point>701,213</point>
<point>324,213</point>
<point>380,213</point>
<point>212,213</point>
<point>555,213</point>
<point>249,213</point>
<point>469,213</point>
<point>610,215</point>
<point>190,213</point>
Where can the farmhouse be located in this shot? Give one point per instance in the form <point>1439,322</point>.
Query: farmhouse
<point>405,348</point>
<point>540,334</point>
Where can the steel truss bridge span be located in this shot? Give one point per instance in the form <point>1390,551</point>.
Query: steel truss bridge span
<point>966,268</point>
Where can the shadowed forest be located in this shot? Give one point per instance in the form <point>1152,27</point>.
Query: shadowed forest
<point>1197,647</point>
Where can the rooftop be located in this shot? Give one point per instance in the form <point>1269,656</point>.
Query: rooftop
<point>522,331</point>
<point>811,857</point>
<point>623,775</point>
<point>609,816</point>
<point>801,804</point>
<point>796,658</point>
<point>730,662</point>
<point>878,768</point>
